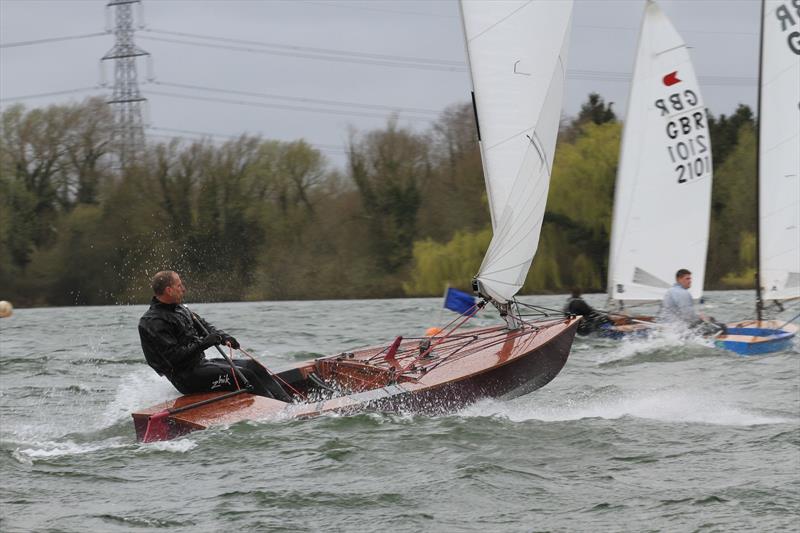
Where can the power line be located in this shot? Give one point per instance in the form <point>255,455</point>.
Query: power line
<point>387,60</point>
<point>683,30</point>
<point>454,17</point>
<point>379,107</point>
<point>383,10</point>
<point>47,40</point>
<point>309,49</point>
<point>591,75</point>
<point>53,93</point>
<point>51,40</point>
<point>404,61</point>
<point>727,80</point>
<point>602,75</point>
<point>338,59</point>
<point>280,106</point>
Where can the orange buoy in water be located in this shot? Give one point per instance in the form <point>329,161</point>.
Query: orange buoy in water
<point>432,332</point>
<point>6,309</point>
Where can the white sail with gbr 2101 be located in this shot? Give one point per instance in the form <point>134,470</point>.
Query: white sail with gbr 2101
<point>662,201</point>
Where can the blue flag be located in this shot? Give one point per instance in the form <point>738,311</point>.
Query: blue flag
<point>458,301</point>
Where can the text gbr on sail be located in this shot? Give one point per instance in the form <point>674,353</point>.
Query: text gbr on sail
<point>783,14</point>
<point>686,129</point>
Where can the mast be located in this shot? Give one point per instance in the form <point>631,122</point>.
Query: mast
<point>759,301</point>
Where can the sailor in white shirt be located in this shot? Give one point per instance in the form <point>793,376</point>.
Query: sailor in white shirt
<point>677,305</point>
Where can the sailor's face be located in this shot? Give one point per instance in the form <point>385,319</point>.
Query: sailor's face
<point>175,291</point>
<point>685,281</point>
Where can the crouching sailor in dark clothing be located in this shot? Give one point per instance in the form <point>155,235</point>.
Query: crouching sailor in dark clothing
<point>592,319</point>
<point>174,339</point>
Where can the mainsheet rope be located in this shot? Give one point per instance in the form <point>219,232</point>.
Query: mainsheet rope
<point>272,374</point>
<point>233,367</point>
<point>467,316</point>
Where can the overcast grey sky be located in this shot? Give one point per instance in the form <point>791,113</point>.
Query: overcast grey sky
<point>314,68</point>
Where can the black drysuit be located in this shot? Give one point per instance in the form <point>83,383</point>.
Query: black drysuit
<point>173,342</point>
<point>592,320</point>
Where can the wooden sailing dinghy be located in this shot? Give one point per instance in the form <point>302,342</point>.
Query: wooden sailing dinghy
<point>517,53</point>
<point>468,365</point>
<point>778,189</point>
<point>662,200</point>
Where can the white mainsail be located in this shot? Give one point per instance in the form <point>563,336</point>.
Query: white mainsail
<point>779,152</point>
<point>662,202</point>
<point>517,56</point>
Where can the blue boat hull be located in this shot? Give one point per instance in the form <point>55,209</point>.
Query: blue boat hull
<point>754,338</point>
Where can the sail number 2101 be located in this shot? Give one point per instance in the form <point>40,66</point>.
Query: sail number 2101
<point>686,131</point>
<point>692,158</point>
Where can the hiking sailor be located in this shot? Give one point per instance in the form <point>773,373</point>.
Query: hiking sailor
<point>592,319</point>
<point>174,339</point>
<point>677,307</point>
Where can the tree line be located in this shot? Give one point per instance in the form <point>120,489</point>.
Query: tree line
<point>259,219</point>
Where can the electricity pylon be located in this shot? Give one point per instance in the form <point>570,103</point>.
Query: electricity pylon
<point>126,99</point>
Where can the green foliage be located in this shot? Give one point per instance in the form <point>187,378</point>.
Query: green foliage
<point>72,271</point>
<point>596,111</point>
<point>545,273</point>
<point>724,131</point>
<point>573,247</point>
<point>574,242</point>
<point>262,219</point>
<point>390,168</point>
<point>584,173</point>
<point>747,248</point>
<point>453,263</point>
<point>733,213</point>
<point>454,198</point>
<point>15,234</point>
<point>593,111</point>
<point>744,277</point>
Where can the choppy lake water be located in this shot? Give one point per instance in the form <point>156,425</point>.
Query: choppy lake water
<point>663,434</point>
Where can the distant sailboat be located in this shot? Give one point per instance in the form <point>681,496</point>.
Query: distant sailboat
<point>662,202</point>
<point>517,51</point>
<point>778,191</point>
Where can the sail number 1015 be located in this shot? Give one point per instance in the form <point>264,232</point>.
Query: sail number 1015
<point>691,156</point>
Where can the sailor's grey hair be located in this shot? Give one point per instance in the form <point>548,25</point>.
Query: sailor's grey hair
<point>161,281</point>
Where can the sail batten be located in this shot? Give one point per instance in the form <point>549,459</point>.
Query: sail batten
<point>516,51</point>
<point>662,201</point>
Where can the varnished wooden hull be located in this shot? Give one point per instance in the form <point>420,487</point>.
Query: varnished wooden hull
<point>489,362</point>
